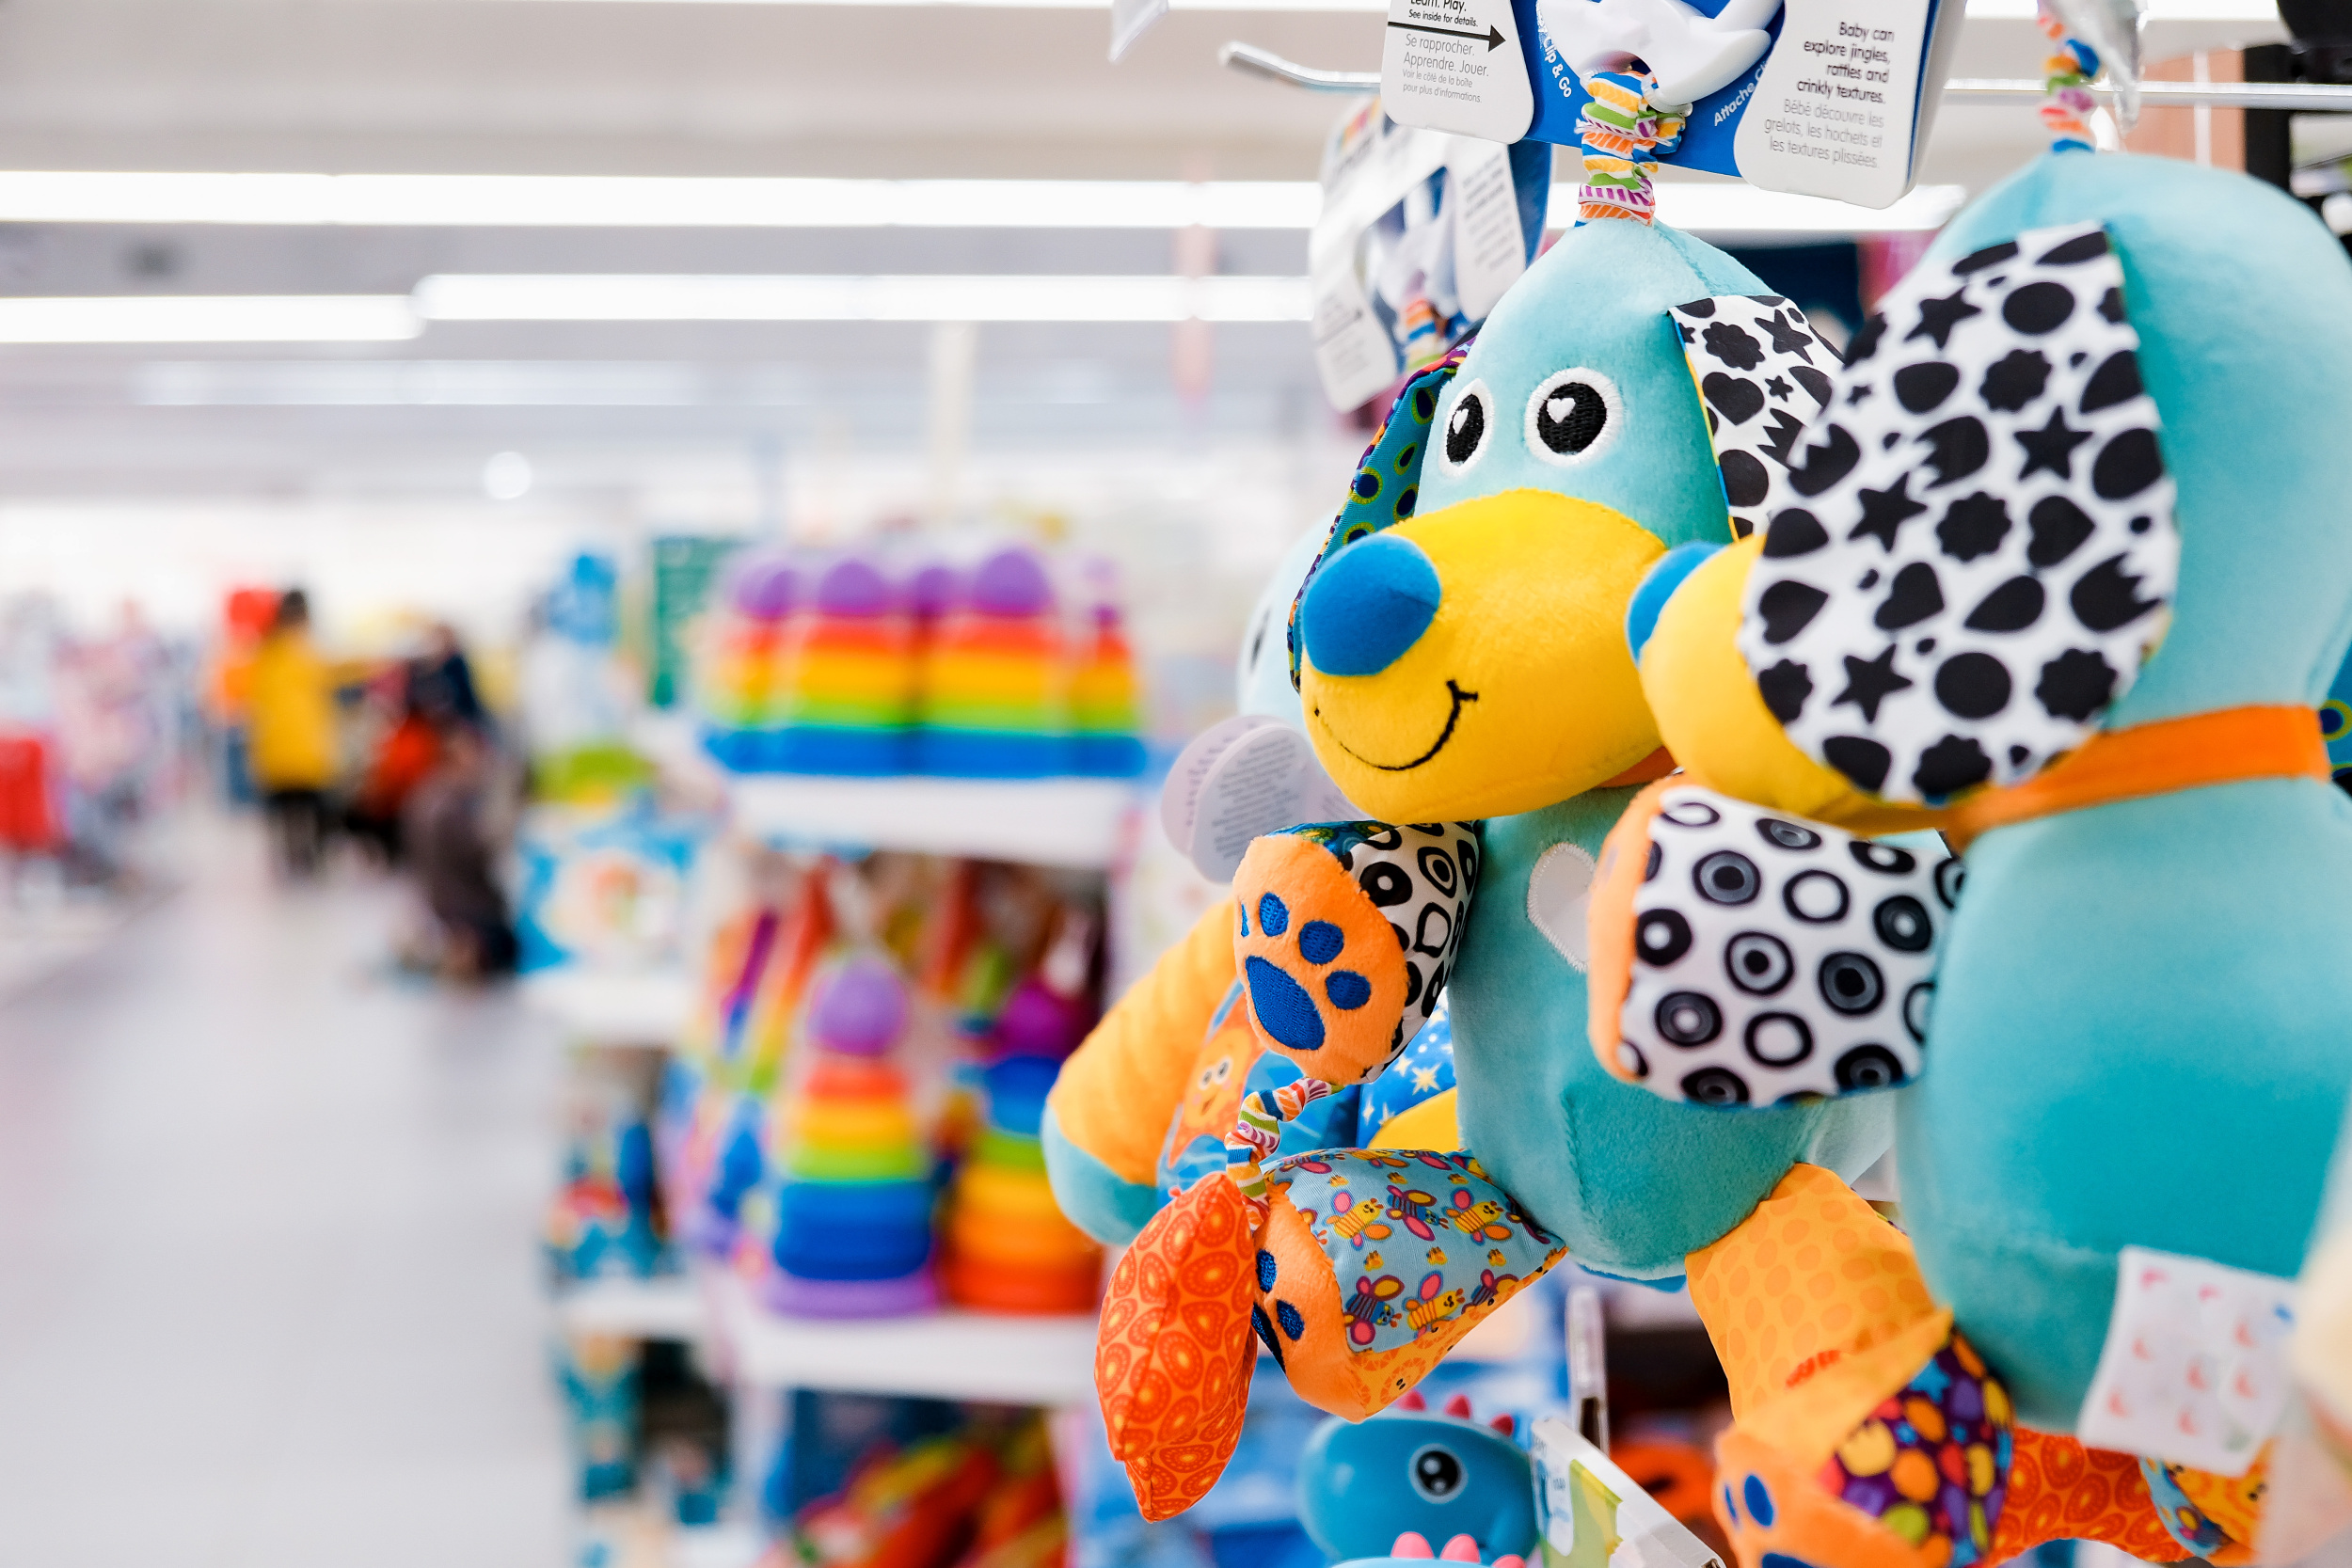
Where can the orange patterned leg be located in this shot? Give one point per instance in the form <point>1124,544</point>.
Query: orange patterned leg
<point>1867,1433</point>
<point>2060,1490</point>
<point>1173,1360</point>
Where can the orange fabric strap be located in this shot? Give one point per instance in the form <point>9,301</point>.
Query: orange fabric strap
<point>2171,754</point>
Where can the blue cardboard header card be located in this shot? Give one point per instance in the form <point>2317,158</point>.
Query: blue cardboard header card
<point>1819,97</point>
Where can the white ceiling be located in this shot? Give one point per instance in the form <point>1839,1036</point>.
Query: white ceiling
<point>623,86</point>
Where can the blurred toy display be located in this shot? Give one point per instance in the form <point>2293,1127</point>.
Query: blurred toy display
<point>873,1482</point>
<point>1009,1249</point>
<point>599,1375</point>
<point>607,1219</point>
<point>577,694</point>
<point>717,1112</point>
<point>854,665</point>
<point>607,891</point>
<point>854,1212</point>
<point>94,731</point>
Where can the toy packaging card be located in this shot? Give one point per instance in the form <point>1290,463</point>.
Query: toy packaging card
<point>1595,1515</point>
<point>1419,235</point>
<point>1829,98</point>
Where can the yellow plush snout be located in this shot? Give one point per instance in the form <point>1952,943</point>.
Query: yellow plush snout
<point>1503,683</point>
<point>1714,722</point>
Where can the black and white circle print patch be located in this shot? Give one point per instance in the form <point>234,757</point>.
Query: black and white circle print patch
<point>1777,959</point>
<point>1761,374</point>
<point>1974,551</point>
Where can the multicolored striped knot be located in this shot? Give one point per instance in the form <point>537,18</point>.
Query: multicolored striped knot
<point>1620,133</point>
<point>1257,1133</point>
<point>2066,75</point>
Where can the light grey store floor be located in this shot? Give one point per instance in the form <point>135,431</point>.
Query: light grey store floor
<point>267,1296</point>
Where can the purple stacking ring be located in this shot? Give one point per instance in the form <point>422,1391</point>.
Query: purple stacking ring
<point>850,1298</point>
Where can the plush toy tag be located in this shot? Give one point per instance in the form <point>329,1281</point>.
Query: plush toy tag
<point>2193,1368</point>
<point>1761,375</point>
<point>1974,551</point>
<point>1239,780</point>
<point>1456,65</point>
<point>1835,104</point>
<point>1419,235</point>
<point>1773,960</point>
<point>1826,97</point>
<point>1595,1515</point>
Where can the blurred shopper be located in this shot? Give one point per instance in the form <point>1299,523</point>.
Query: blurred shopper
<point>450,831</point>
<point>441,683</point>
<point>405,755</point>
<point>293,743</point>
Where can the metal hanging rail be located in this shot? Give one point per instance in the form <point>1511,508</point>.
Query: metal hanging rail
<point>1252,60</point>
<point>2317,97</point>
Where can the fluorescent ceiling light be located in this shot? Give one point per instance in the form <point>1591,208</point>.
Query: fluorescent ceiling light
<point>522,202</point>
<point>601,201</point>
<point>669,298</point>
<point>1729,211</point>
<point>210,318</point>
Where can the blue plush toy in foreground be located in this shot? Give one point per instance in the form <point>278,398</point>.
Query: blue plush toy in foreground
<point>1406,1471</point>
<point>2065,568</point>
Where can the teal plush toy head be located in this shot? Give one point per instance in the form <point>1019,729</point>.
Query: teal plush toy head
<point>1460,647</point>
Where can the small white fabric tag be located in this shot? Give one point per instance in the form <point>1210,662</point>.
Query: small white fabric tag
<point>1241,780</point>
<point>2194,1369</point>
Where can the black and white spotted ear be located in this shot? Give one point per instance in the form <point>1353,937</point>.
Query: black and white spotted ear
<point>1974,552</point>
<point>1763,374</point>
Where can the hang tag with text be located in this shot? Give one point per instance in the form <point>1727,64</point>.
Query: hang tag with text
<point>1456,65</point>
<point>1835,108</point>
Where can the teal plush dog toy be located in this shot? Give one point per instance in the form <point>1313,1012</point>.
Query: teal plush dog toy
<point>1461,663</point>
<point>2065,567</point>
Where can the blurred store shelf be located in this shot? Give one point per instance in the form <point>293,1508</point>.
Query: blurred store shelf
<point>1081,823</point>
<point>668,1307</point>
<point>949,1354</point>
<point>646,1007</point>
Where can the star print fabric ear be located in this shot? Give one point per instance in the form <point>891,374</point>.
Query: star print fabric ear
<point>1761,377</point>
<point>1972,551</point>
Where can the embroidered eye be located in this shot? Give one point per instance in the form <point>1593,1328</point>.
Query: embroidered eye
<point>1466,426</point>
<point>1573,418</point>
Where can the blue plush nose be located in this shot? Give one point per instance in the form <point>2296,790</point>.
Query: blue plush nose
<point>1369,604</point>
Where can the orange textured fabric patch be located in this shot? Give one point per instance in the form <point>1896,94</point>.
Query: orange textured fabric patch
<point>1173,1359</point>
<point>1813,1277</point>
<point>2060,1490</point>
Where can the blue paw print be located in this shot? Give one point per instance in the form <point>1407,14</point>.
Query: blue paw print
<point>1283,1007</point>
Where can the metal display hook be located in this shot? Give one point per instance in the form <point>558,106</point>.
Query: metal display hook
<point>2306,96</point>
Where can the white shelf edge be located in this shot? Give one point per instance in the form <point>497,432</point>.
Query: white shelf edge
<point>646,1007</point>
<point>1084,824</point>
<point>949,1354</point>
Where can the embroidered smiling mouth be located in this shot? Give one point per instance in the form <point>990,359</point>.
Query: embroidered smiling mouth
<point>1453,717</point>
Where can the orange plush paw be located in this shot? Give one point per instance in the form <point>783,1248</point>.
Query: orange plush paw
<point>1345,934</point>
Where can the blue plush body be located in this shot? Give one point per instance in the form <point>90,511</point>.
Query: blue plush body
<point>2139,1036</point>
<point>1630,1182</point>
